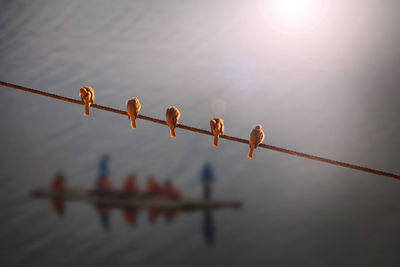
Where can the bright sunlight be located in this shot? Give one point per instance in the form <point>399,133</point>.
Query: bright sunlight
<point>293,16</point>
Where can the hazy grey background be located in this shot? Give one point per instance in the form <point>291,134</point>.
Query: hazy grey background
<point>333,91</point>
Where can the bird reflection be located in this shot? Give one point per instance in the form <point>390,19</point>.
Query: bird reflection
<point>58,185</point>
<point>130,216</point>
<point>152,214</point>
<point>171,214</point>
<point>58,206</point>
<point>208,227</point>
<point>208,180</point>
<point>104,212</point>
<point>157,200</point>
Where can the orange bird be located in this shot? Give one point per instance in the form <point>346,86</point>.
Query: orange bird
<point>172,116</point>
<point>217,129</point>
<point>133,107</point>
<point>87,95</point>
<point>256,138</point>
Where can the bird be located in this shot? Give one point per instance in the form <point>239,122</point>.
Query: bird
<point>172,116</point>
<point>87,95</point>
<point>133,108</point>
<point>217,129</point>
<point>256,138</point>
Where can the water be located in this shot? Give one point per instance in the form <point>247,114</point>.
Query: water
<point>332,91</point>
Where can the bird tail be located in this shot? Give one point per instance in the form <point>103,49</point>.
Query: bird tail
<point>215,142</point>
<point>172,132</point>
<point>133,123</point>
<point>250,154</point>
<point>86,112</point>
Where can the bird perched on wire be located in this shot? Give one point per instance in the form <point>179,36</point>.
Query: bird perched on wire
<point>87,95</point>
<point>217,129</point>
<point>172,116</point>
<point>256,138</point>
<point>133,108</point>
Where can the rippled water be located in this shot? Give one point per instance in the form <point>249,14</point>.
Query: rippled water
<point>333,92</point>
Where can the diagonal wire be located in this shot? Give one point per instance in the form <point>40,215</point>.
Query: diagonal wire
<point>193,129</point>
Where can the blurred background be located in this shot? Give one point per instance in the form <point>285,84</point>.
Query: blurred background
<point>322,77</point>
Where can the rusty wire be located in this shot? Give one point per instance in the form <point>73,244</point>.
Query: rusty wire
<point>193,129</point>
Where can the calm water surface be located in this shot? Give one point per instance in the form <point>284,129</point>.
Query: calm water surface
<point>333,91</point>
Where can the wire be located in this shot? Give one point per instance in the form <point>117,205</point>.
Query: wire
<point>193,129</point>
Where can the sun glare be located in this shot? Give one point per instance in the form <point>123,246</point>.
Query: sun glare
<point>293,16</point>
